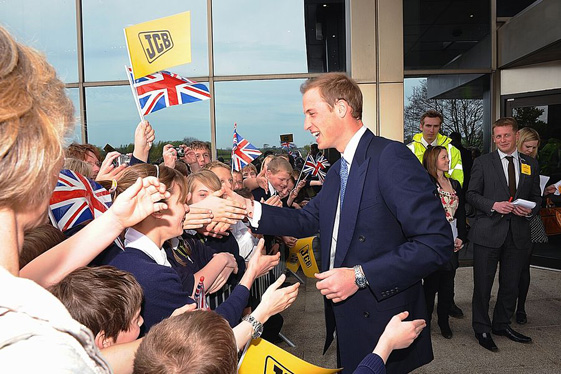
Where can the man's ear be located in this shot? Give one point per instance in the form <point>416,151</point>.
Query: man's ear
<point>101,341</point>
<point>342,108</point>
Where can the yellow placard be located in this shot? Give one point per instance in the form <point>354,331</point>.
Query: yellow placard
<point>264,357</point>
<point>305,252</point>
<point>292,261</point>
<point>159,44</point>
<point>525,169</point>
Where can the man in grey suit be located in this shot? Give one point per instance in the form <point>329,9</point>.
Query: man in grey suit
<point>501,231</point>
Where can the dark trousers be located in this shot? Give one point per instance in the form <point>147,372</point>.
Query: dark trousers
<point>524,284</point>
<point>441,282</point>
<point>485,260</point>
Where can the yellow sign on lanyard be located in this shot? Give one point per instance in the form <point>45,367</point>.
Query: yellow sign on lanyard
<point>525,169</point>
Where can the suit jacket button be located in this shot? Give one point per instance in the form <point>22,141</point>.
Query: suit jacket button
<point>366,314</point>
<point>361,238</point>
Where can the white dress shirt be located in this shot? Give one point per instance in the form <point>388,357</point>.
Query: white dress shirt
<point>515,160</point>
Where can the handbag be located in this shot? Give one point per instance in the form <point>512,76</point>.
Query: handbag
<point>551,218</point>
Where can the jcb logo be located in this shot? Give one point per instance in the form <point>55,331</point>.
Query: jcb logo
<point>155,43</point>
<point>272,366</point>
<point>305,253</point>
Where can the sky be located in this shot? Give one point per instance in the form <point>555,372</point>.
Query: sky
<point>250,37</point>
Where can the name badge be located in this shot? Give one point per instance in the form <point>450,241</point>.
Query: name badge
<point>525,169</point>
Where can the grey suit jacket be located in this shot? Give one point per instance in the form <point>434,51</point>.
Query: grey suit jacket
<point>488,185</point>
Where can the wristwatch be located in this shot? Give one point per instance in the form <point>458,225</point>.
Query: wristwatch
<point>257,326</point>
<point>360,279</point>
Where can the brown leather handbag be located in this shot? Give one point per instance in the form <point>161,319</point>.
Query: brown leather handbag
<point>551,218</point>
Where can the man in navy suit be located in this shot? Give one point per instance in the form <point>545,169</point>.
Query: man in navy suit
<point>382,228</point>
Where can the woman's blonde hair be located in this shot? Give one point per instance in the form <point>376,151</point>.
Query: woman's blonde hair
<point>205,177</point>
<point>528,134</point>
<point>165,175</point>
<point>79,166</point>
<point>35,116</point>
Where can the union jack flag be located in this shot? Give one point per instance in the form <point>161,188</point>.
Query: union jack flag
<point>200,295</point>
<point>76,199</point>
<point>243,152</point>
<point>287,145</point>
<point>163,89</point>
<point>316,167</point>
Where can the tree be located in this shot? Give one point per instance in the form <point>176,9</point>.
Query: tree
<point>462,115</point>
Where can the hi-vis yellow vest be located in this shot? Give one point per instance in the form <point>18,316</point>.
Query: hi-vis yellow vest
<point>456,171</point>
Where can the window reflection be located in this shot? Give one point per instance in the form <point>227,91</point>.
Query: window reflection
<point>263,110</point>
<point>105,51</point>
<point>112,118</point>
<point>50,29</point>
<point>278,37</point>
<point>76,136</point>
<point>447,34</point>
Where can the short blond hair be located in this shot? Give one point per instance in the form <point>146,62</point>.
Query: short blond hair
<point>278,164</point>
<point>35,116</point>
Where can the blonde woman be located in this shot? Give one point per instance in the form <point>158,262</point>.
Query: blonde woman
<point>528,143</point>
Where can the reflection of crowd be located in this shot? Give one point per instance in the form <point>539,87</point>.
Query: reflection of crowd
<point>131,248</point>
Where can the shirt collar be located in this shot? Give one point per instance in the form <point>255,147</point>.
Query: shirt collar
<point>426,144</point>
<point>272,190</point>
<point>351,147</point>
<point>514,154</point>
<point>137,240</point>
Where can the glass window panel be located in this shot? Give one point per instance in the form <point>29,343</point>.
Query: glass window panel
<point>76,136</point>
<point>113,117</point>
<point>50,29</point>
<point>276,37</point>
<point>446,34</point>
<point>105,51</point>
<point>263,110</point>
<point>462,113</point>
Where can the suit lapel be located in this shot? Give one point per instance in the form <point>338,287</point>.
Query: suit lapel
<point>500,171</point>
<point>351,207</point>
<point>328,210</point>
<point>353,197</point>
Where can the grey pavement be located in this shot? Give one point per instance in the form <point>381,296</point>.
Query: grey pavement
<point>304,326</point>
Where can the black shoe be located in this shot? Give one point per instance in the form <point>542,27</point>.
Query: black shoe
<point>513,335</point>
<point>445,330</point>
<point>486,341</point>
<point>455,312</point>
<point>521,318</point>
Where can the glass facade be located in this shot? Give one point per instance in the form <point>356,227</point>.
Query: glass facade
<point>262,51</point>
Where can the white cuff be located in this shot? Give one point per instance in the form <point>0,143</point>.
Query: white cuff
<point>257,212</point>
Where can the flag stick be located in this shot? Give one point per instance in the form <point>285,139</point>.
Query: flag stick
<point>298,181</point>
<point>134,93</point>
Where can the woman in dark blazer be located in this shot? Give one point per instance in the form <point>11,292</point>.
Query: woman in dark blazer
<point>450,193</point>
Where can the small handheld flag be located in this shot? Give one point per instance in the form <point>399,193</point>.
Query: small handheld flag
<point>163,89</point>
<point>316,167</point>
<point>243,152</point>
<point>159,44</point>
<point>76,199</point>
<point>200,296</point>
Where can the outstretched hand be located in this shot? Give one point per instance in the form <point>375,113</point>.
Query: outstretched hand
<point>276,299</point>
<point>398,334</point>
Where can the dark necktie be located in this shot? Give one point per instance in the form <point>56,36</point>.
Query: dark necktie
<point>344,177</point>
<point>511,177</point>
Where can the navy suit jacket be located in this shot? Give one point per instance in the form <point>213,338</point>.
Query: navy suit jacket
<point>393,225</point>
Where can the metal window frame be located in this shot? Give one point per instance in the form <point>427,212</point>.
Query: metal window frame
<point>211,78</point>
